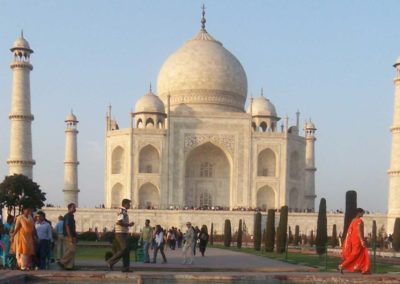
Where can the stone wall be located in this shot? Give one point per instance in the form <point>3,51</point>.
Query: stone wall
<point>105,218</point>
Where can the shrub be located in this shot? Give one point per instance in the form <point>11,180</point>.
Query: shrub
<point>296,239</point>
<point>257,231</point>
<point>311,241</point>
<point>396,235</point>
<point>212,235</point>
<point>227,233</point>
<point>282,230</point>
<point>322,234</point>
<point>270,233</point>
<point>290,236</point>
<point>351,210</point>
<point>334,239</point>
<point>373,237</point>
<point>87,236</point>
<point>240,234</point>
<point>107,237</point>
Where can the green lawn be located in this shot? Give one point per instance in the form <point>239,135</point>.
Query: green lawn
<point>329,263</point>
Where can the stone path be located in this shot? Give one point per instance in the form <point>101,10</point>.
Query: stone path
<point>219,266</point>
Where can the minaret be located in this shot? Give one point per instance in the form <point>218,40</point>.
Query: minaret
<point>309,181</point>
<point>71,161</point>
<point>20,160</point>
<point>394,171</point>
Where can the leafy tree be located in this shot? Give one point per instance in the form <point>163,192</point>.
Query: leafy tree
<point>270,231</point>
<point>282,230</point>
<point>291,239</point>
<point>257,231</point>
<point>18,191</point>
<point>322,234</point>
<point>351,210</point>
<point>240,234</point>
<point>227,233</point>
<point>396,235</point>
<point>296,240</point>
<point>334,240</point>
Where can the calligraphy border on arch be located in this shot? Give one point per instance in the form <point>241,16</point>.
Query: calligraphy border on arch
<point>194,140</point>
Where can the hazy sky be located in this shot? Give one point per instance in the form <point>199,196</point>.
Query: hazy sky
<point>332,60</point>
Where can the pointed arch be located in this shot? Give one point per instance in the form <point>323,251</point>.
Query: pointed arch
<point>207,179</point>
<point>149,122</point>
<point>117,160</point>
<point>265,198</point>
<point>117,192</point>
<point>294,198</point>
<point>263,126</point>
<point>266,163</point>
<point>149,196</point>
<point>294,165</point>
<point>149,160</point>
<point>139,123</point>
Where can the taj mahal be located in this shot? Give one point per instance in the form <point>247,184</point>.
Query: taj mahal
<point>198,141</point>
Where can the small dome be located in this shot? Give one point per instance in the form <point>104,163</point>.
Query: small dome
<point>262,106</point>
<point>149,103</point>
<point>310,125</point>
<point>71,117</point>
<point>397,63</point>
<point>21,43</point>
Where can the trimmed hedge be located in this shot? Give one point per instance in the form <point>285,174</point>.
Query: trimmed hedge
<point>257,232</point>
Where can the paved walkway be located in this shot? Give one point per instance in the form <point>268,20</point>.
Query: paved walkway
<point>218,266</point>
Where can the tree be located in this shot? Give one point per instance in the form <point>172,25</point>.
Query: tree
<point>257,231</point>
<point>212,235</point>
<point>334,240</point>
<point>322,234</point>
<point>282,230</point>
<point>270,233</point>
<point>18,191</point>
<point>396,235</point>
<point>296,240</point>
<point>227,233</point>
<point>290,241</point>
<point>351,210</point>
<point>240,234</point>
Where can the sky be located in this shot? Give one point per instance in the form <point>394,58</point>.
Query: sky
<point>331,60</point>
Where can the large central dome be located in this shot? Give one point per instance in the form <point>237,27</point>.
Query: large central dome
<point>203,76</point>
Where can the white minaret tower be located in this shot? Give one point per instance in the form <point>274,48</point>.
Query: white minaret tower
<point>20,160</point>
<point>394,171</point>
<point>309,180</point>
<point>71,161</point>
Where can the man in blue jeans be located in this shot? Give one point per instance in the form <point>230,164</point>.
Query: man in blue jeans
<point>147,237</point>
<point>45,236</point>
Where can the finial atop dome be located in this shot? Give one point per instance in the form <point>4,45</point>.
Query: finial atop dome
<point>150,88</point>
<point>262,92</point>
<point>22,33</point>
<point>203,19</point>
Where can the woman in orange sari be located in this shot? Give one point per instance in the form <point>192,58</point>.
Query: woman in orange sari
<point>354,250</point>
<point>23,238</point>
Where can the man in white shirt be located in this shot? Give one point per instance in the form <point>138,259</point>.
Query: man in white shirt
<point>121,235</point>
<point>44,233</point>
<point>188,245</point>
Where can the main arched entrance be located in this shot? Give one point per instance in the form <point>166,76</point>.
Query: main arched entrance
<point>207,179</point>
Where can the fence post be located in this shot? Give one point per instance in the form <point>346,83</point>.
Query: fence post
<point>326,257</point>
<point>287,248</point>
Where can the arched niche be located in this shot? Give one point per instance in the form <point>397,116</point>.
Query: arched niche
<point>265,198</point>
<point>266,163</point>
<point>149,196</point>
<point>117,160</point>
<point>149,160</point>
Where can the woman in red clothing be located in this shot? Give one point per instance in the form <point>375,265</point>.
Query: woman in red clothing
<point>354,250</point>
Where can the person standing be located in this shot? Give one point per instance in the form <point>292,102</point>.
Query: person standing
<point>45,237</point>
<point>196,236</point>
<point>24,236</point>
<point>5,238</point>
<point>355,251</point>
<point>188,240</point>
<point>60,237</point>
<point>147,234</point>
<point>121,235</point>
<point>203,237</point>
<point>68,260</point>
<point>159,244</point>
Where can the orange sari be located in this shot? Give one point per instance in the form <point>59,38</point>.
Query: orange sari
<point>354,254</point>
<point>24,242</point>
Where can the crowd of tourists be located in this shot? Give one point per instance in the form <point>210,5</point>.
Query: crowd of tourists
<point>29,241</point>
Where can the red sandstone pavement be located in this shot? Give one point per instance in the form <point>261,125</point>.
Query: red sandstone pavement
<point>219,265</point>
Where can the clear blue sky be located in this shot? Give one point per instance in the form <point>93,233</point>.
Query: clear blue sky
<point>332,60</point>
